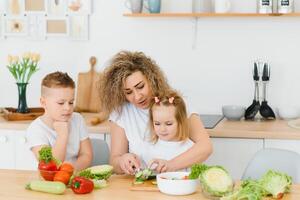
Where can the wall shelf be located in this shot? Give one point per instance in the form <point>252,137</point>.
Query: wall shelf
<point>210,15</point>
<point>196,16</point>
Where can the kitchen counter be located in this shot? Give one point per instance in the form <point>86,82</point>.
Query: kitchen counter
<point>22,125</point>
<point>13,188</point>
<point>274,129</point>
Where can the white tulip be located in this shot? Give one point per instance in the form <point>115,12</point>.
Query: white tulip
<point>10,59</point>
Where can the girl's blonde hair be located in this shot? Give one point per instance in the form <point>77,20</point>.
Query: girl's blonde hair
<point>171,98</point>
<point>121,66</point>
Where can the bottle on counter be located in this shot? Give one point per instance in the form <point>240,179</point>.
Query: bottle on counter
<point>285,6</point>
<point>265,6</point>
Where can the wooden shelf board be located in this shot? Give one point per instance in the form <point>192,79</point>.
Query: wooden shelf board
<point>210,15</point>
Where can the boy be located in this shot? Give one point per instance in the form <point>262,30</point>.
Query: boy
<point>59,127</point>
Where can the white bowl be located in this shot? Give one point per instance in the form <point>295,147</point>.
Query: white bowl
<point>233,112</point>
<point>176,187</point>
<point>288,112</point>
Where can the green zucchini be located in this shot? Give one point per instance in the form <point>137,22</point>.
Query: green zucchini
<point>53,187</point>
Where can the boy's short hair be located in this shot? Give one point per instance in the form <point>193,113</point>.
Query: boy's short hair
<point>57,80</point>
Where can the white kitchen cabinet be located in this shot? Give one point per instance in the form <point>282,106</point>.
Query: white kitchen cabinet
<point>292,145</point>
<point>234,154</point>
<point>14,152</point>
<point>25,159</point>
<point>7,149</point>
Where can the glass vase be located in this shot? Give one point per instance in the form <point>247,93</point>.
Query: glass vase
<point>22,105</point>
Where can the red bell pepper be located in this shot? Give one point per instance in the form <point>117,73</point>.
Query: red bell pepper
<point>81,185</point>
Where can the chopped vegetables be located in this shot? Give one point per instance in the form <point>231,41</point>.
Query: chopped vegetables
<point>272,183</point>
<point>143,175</point>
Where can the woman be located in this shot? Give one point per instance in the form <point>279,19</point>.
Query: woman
<point>126,89</point>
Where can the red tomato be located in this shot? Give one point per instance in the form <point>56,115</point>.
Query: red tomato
<point>62,176</point>
<point>67,167</point>
<point>49,166</point>
<point>47,175</point>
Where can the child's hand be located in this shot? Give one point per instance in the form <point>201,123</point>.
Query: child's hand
<point>159,165</point>
<point>129,163</point>
<point>61,127</point>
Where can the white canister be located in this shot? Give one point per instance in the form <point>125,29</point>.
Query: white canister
<point>202,6</point>
<point>177,6</point>
<point>285,6</point>
<point>222,6</point>
<point>264,6</point>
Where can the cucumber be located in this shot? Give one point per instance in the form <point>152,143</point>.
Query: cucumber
<point>139,174</point>
<point>53,187</point>
<point>145,174</point>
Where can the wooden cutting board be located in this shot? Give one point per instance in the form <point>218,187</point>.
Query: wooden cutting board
<point>87,98</point>
<point>146,186</point>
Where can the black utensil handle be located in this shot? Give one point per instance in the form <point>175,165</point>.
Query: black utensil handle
<point>255,72</point>
<point>265,76</point>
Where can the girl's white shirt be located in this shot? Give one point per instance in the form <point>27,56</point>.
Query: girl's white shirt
<point>135,122</point>
<point>165,150</point>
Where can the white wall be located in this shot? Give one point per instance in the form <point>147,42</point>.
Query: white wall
<point>216,72</point>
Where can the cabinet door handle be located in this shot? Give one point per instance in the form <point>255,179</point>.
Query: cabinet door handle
<point>3,139</point>
<point>23,140</point>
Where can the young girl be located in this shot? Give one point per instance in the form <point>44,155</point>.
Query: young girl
<point>169,131</point>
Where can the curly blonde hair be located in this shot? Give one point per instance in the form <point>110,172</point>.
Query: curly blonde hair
<point>171,98</point>
<point>121,66</point>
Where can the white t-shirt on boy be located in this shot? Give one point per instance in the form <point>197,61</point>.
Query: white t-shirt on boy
<point>38,133</point>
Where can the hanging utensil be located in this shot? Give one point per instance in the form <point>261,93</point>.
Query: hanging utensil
<point>265,110</point>
<point>252,110</point>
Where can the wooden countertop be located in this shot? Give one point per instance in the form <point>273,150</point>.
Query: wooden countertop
<point>22,125</point>
<point>274,129</point>
<point>13,188</point>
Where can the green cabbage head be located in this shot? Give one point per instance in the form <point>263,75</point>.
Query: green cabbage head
<point>216,181</point>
